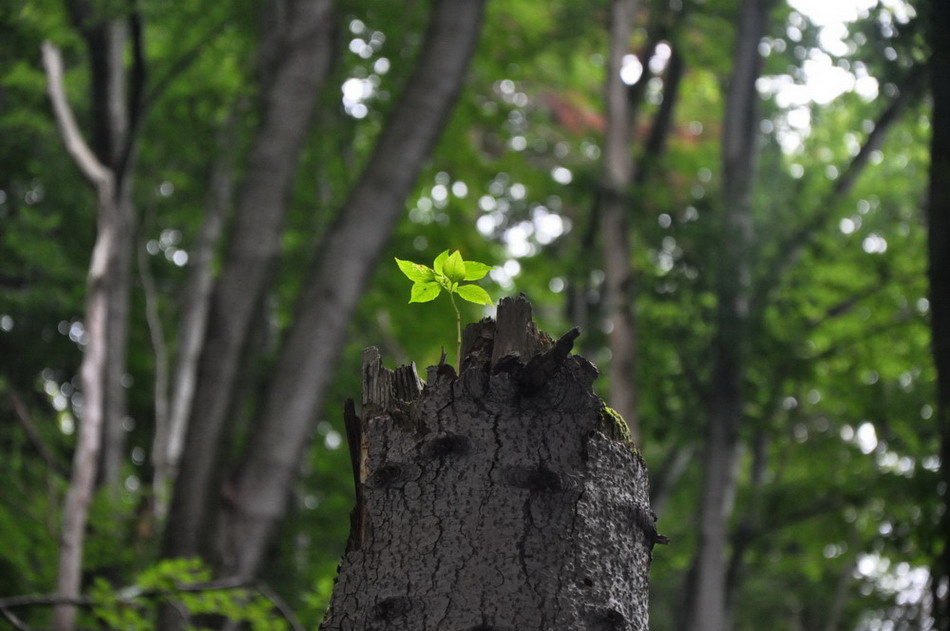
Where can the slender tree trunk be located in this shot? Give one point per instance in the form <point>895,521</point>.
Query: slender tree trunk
<point>655,144</point>
<point>749,526</point>
<point>495,500</point>
<point>106,44</point>
<point>938,216</point>
<point>615,228</point>
<point>706,597</point>
<point>111,98</point>
<point>305,47</point>
<point>94,365</point>
<point>116,403</point>
<point>170,434</point>
<point>336,282</point>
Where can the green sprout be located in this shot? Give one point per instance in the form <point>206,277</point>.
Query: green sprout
<point>447,271</point>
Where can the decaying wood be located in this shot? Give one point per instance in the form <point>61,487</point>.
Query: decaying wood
<point>490,500</point>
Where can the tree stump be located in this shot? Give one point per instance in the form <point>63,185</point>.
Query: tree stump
<point>504,499</point>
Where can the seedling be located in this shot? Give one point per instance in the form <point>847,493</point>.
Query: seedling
<point>447,271</point>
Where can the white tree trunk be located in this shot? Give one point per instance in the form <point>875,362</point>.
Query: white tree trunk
<point>95,358</point>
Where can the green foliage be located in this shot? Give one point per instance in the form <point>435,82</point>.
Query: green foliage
<point>184,584</point>
<point>837,341</point>
<point>447,273</point>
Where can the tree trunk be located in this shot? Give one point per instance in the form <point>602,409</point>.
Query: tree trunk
<point>938,216</point>
<point>615,228</point>
<point>291,94</point>
<point>502,499</point>
<point>106,43</point>
<point>336,282</point>
<point>706,592</point>
<point>93,370</point>
<point>170,434</point>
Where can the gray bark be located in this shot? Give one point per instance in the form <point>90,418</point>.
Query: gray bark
<point>93,368</point>
<point>706,594</point>
<point>938,217</point>
<point>114,453</point>
<point>497,500</point>
<point>332,290</point>
<point>290,98</point>
<point>113,101</point>
<point>615,229</point>
<point>106,40</point>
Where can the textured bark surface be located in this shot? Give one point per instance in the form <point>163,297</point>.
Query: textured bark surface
<point>498,500</point>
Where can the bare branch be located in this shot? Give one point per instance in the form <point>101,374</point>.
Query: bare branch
<point>138,77</point>
<point>156,332</point>
<point>180,65</point>
<point>916,80</point>
<point>655,143</point>
<point>97,173</point>
<point>281,606</point>
<point>26,421</point>
<point>14,620</point>
<point>792,248</point>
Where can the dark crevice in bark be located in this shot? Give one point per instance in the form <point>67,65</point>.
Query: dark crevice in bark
<point>483,506</point>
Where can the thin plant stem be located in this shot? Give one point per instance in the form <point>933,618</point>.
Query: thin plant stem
<point>458,331</point>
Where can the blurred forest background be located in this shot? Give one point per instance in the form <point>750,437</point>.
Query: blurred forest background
<point>199,207</point>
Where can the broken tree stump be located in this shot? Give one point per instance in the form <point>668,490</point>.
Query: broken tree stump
<point>503,499</point>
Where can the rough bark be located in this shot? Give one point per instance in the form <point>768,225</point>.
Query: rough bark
<point>93,369</point>
<point>332,291</point>
<point>289,100</point>
<point>485,502</point>
<point>706,594</point>
<point>615,207</point>
<point>938,217</point>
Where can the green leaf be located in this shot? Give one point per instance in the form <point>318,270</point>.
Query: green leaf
<point>416,272</point>
<point>439,262</point>
<point>474,293</point>
<point>424,292</point>
<point>475,270</point>
<point>454,267</point>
